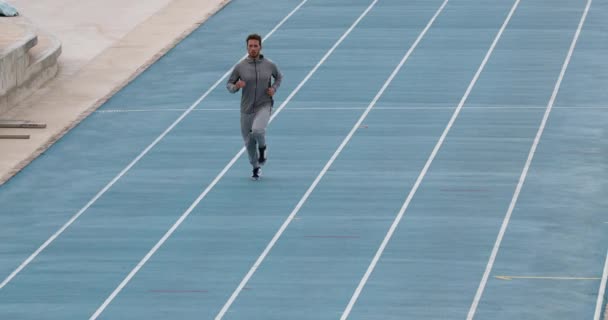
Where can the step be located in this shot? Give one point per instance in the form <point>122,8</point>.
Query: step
<point>43,55</point>
<point>28,61</point>
<point>15,42</point>
<point>15,36</point>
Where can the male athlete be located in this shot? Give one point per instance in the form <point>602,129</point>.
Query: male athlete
<point>254,74</point>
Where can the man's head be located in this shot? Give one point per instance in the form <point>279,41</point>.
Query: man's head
<point>254,45</point>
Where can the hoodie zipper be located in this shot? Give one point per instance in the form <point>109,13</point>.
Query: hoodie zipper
<point>255,91</point>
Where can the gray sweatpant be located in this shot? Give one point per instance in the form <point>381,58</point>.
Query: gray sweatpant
<point>253,130</point>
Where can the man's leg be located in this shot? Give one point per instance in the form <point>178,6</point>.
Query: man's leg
<point>258,130</point>
<point>250,142</point>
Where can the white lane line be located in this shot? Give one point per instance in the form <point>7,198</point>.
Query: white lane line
<point>351,108</point>
<point>220,175</point>
<point>557,278</point>
<point>128,167</point>
<point>524,172</point>
<point>602,292</point>
<point>401,213</point>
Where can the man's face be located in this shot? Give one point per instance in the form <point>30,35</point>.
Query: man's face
<point>253,48</point>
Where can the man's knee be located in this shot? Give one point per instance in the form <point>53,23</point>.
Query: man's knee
<point>248,138</point>
<point>258,132</point>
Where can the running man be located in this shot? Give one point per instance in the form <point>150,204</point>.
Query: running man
<point>254,75</point>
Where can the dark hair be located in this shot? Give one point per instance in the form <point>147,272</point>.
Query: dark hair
<point>254,36</point>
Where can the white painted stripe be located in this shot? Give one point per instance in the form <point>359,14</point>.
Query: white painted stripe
<point>153,110</point>
<point>602,292</point>
<point>128,167</point>
<point>434,108</point>
<point>221,174</point>
<point>354,108</point>
<point>509,278</point>
<point>304,198</point>
<point>524,172</point>
<point>401,213</point>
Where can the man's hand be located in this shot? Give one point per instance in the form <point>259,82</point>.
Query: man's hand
<point>270,91</point>
<point>240,84</point>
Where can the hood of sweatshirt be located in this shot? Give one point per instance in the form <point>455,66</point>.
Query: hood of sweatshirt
<point>252,60</point>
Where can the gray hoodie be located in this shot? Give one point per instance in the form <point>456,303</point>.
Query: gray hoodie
<point>257,74</point>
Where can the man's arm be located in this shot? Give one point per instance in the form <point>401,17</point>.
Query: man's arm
<point>278,77</point>
<point>234,77</point>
